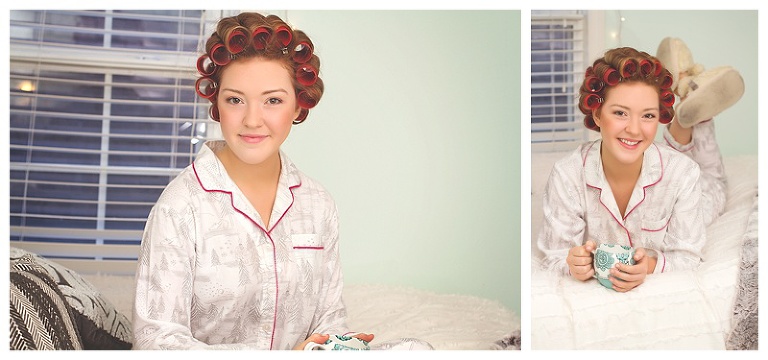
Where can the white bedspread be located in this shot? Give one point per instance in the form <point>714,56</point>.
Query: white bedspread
<point>676,310</point>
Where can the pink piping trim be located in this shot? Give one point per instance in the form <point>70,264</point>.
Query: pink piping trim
<point>309,247</point>
<point>274,253</point>
<point>673,146</point>
<point>659,229</point>
<point>661,161</point>
<point>665,262</point>
<point>614,218</point>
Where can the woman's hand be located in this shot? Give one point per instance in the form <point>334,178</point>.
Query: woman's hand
<point>365,337</point>
<point>316,338</point>
<point>580,260</point>
<point>627,277</point>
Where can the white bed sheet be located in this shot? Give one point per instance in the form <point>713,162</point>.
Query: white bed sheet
<point>676,310</point>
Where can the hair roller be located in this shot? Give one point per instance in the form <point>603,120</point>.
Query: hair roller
<point>305,100</point>
<point>589,122</point>
<point>666,81</point>
<point>306,75</point>
<point>260,37</point>
<point>205,87</point>
<point>302,116</point>
<point>646,68</point>
<point>629,68</point>
<point>593,84</point>
<point>657,67</point>
<point>213,112</point>
<point>611,76</point>
<point>205,68</point>
<point>665,116</point>
<point>592,101</point>
<point>220,55</point>
<point>236,39</point>
<point>283,35</point>
<point>590,72</point>
<point>667,98</point>
<point>302,52</point>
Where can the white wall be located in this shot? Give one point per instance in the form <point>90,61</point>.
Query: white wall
<point>417,137</point>
<point>715,38</point>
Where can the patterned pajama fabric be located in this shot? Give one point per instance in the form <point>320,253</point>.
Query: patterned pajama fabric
<point>211,274</point>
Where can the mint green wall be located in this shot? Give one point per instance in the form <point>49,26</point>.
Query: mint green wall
<point>417,137</point>
<point>715,38</point>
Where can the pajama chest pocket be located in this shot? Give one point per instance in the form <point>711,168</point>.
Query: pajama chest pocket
<point>307,251</point>
<point>653,232</point>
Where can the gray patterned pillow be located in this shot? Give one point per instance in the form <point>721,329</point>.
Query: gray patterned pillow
<point>40,317</point>
<point>101,326</point>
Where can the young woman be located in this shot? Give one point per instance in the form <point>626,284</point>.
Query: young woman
<point>626,189</point>
<point>241,250</point>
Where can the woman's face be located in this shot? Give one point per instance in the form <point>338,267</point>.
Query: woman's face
<point>628,121</point>
<point>257,106</point>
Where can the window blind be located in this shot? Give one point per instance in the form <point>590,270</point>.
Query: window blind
<point>103,114</point>
<point>558,61</point>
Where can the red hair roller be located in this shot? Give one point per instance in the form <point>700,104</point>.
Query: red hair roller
<point>219,55</point>
<point>260,37</point>
<point>205,87</point>
<point>236,40</point>
<point>666,81</point>
<point>646,68</point>
<point>665,117</point>
<point>589,122</point>
<point>213,112</point>
<point>284,35</point>
<point>205,68</point>
<point>658,67</point>
<point>305,101</point>
<point>302,116</point>
<point>592,101</point>
<point>593,84</point>
<point>302,52</point>
<point>306,75</point>
<point>629,68</point>
<point>589,72</point>
<point>611,77</point>
<point>667,98</point>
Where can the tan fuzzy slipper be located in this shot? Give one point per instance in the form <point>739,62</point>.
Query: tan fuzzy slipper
<point>709,93</point>
<point>677,58</point>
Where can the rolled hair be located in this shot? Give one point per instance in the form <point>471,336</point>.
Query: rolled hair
<point>249,35</point>
<point>622,65</point>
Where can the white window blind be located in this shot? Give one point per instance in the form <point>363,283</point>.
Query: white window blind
<point>103,114</point>
<point>558,62</point>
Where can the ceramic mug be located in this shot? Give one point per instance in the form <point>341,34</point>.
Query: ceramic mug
<point>339,342</point>
<point>606,256</point>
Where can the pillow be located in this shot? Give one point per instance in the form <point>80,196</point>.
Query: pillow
<point>101,326</point>
<point>40,317</point>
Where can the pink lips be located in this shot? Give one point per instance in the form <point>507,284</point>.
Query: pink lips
<point>629,144</point>
<point>253,139</point>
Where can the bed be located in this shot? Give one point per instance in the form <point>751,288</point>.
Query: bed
<point>714,307</point>
<point>98,306</point>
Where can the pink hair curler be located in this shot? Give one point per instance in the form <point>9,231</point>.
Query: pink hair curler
<point>236,40</point>
<point>302,116</point>
<point>284,35</point>
<point>306,75</point>
<point>611,77</point>
<point>220,55</point>
<point>260,37</point>
<point>305,101</point>
<point>205,87</point>
<point>667,98</point>
<point>592,101</point>
<point>205,68</point>
<point>646,68</point>
<point>593,84</point>
<point>302,52</point>
<point>666,81</point>
<point>629,68</point>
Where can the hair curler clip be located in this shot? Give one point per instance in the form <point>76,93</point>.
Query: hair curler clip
<point>284,35</point>
<point>611,77</point>
<point>236,40</point>
<point>220,55</point>
<point>593,84</point>
<point>205,87</point>
<point>302,52</point>
<point>302,116</point>
<point>667,98</point>
<point>260,37</point>
<point>306,75</point>
<point>646,68</point>
<point>629,68</point>
<point>205,68</point>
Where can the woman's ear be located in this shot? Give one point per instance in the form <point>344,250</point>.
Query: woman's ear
<point>596,115</point>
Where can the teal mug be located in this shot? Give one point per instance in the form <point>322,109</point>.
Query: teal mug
<point>606,256</point>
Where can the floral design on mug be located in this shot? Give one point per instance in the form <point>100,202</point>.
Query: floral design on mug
<point>603,260</point>
<point>624,258</point>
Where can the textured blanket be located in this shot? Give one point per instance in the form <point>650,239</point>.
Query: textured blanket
<point>744,331</point>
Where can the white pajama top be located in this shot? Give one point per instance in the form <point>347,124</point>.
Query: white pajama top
<point>211,274</point>
<point>663,213</point>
